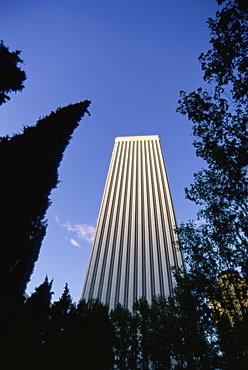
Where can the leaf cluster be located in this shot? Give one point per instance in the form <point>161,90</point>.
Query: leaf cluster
<point>11,75</point>
<point>226,62</point>
<point>219,121</point>
<point>216,245</point>
<point>229,302</point>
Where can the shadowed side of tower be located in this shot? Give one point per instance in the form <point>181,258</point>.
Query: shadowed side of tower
<point>135,244</point>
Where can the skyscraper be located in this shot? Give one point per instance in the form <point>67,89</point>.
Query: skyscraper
<point>135,244</point>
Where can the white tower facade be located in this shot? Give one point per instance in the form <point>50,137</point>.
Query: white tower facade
<point>135,245</point>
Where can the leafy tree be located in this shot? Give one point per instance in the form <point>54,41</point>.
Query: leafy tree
<point>219,118</point>
<point>169,333</point>
<point>26,334</point>
<point>58,319</point>
<point>60,311</point>
<point>11,76</point>
<point>193,335</point>
<point>229,301</point>
<point>220,126</point>
<point>55,340</point>
<point>89,336</point>
<point>122,321</point>
<point>29,171</point>
<point>161,343</point>
<point>141,311</point>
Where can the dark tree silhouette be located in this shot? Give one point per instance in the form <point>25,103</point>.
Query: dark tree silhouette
<point>122,321</point>
<point>55,340</point>
<point>89,336</point>
<point>25,338</point>
<point>142,317</point>
<point>229,301</point>
<point>162,334</point>
<point>11,76</point>
<point>219,120</point>
<point>29,171</point>
<point>59,314</point>
<point>168,334</point>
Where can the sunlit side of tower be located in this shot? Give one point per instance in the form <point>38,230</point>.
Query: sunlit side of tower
<point>135,244</point>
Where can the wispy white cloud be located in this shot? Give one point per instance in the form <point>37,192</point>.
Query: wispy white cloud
<point>82,231</point>
<point>74,242</point>
<point>85,232</point>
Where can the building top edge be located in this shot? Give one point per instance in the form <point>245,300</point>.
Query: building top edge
<point>137,138</point>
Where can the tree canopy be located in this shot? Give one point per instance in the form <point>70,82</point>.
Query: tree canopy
<point>219,118</point>
<point>29,171</point>
<point>216,250</point>
<point>12,76</point>
<point>204,324</point>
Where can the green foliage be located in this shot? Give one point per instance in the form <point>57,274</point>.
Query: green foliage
<point>11,76</point>
<point>176,332</point>
<point>220,127</point>
<point>123,324</point>
<point>226,61</point>
<point>162,334</point>
<point>166,334</point>
<point>169,333</point>
<point>219,120</point>
<point>142,319</point>
<point>229,301</point>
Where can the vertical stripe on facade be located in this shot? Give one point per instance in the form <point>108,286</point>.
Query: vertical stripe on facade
<point>134,246</point>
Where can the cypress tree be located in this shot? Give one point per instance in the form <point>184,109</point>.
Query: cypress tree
<point>26,334</point>
<point>11,75</point>
<point>29,171</point>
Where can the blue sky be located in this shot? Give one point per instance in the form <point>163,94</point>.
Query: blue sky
<point>130,58</point>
